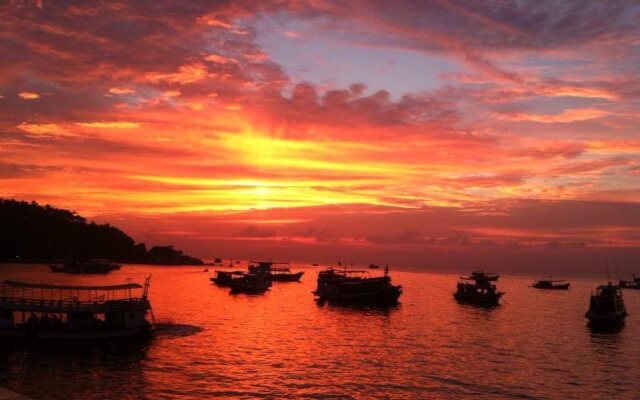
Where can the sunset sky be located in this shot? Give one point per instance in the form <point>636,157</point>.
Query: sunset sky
<point>405,132</point>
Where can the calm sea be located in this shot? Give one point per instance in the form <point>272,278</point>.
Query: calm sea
<point>536,345</point>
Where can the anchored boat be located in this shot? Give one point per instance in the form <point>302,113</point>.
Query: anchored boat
<point>552,284</point>
<point>606,306</point>
<point>224,278</point>
<point>276,274</point>
<point>255,281</point>
<point>85,267</point>
<point>478,289</point>
<point>633,284</point>
<point>352,286</point>
<point>66,312</point>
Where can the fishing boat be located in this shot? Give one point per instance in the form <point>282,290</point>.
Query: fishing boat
<point>357,287</point>
<point>68,312</point>
<point>551,284</point>
<point>478,289</point>
<point>85,267</point>
<point>255,281</point>
<point>606,306</point>
<point>374,266</point>
<point>224,278</point>
<point>276,274</point>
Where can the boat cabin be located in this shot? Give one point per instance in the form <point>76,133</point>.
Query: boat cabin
<point>67,311</point>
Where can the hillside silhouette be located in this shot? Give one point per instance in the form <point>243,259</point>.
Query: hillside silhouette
<point>30,232</point>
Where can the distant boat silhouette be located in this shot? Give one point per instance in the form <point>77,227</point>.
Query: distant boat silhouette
<point>551,284</point>
<point>85,267</point>
<point>477,289</point>
<point>276,274</point>
<point>633,284</point>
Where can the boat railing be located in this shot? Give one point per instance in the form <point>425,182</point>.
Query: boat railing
<point>66,303</point>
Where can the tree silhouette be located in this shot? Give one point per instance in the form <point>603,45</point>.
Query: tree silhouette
<point>30,232</point>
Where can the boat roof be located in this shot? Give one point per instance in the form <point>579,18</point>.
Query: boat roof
<point>17,284</point>
<point>349,271</point>
<point>608,286</point>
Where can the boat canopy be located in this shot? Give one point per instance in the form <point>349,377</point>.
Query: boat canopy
<point>28,285</point>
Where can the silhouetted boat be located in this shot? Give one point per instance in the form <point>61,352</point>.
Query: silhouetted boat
<point>276,274</point>
<point>633,284</point>
<point>255,281</point>
<point>224,278</point>
<point>217,261</point>
<point>285,275</point>
<point>477,289</point>
<point>606,306</point>
<point>43,311</point>
<point>351,286</point>
<point>374,266</point>
<point>552,284</point>
<point>85,267</point>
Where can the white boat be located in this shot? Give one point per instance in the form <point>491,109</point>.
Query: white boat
<point>69,312</point>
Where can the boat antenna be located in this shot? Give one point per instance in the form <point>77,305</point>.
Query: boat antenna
<point>386,270</point>
<point>147,283</point>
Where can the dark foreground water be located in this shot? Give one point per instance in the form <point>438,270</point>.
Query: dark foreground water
<point>536,345</point>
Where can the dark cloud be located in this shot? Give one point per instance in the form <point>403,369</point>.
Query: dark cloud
<point>13,171</point>
<point>318,234</point>
<point>406,237</point>
<point>256,232</point>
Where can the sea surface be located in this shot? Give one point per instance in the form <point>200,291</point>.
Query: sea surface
<point>282,344</point>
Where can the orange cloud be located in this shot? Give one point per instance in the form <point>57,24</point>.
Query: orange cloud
<point>29,95</point>
<point>118,90</point>
<point>186,74</point>
<point>44,129</point>
<point>109,125</point>
<point>566,116</point>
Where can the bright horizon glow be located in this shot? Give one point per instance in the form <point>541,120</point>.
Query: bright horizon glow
<point>444,124</point>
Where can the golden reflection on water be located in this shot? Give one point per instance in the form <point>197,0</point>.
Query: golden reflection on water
<point>284,344</point>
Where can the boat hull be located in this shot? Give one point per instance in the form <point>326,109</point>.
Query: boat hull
<point>478,299</point>
<point>384,296</point>
<point>250,284</point>
<point>563,286</point>
<point>605,319</point>
<point>23,333</point>
<point>294,277</point>
<point>225,278</point>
